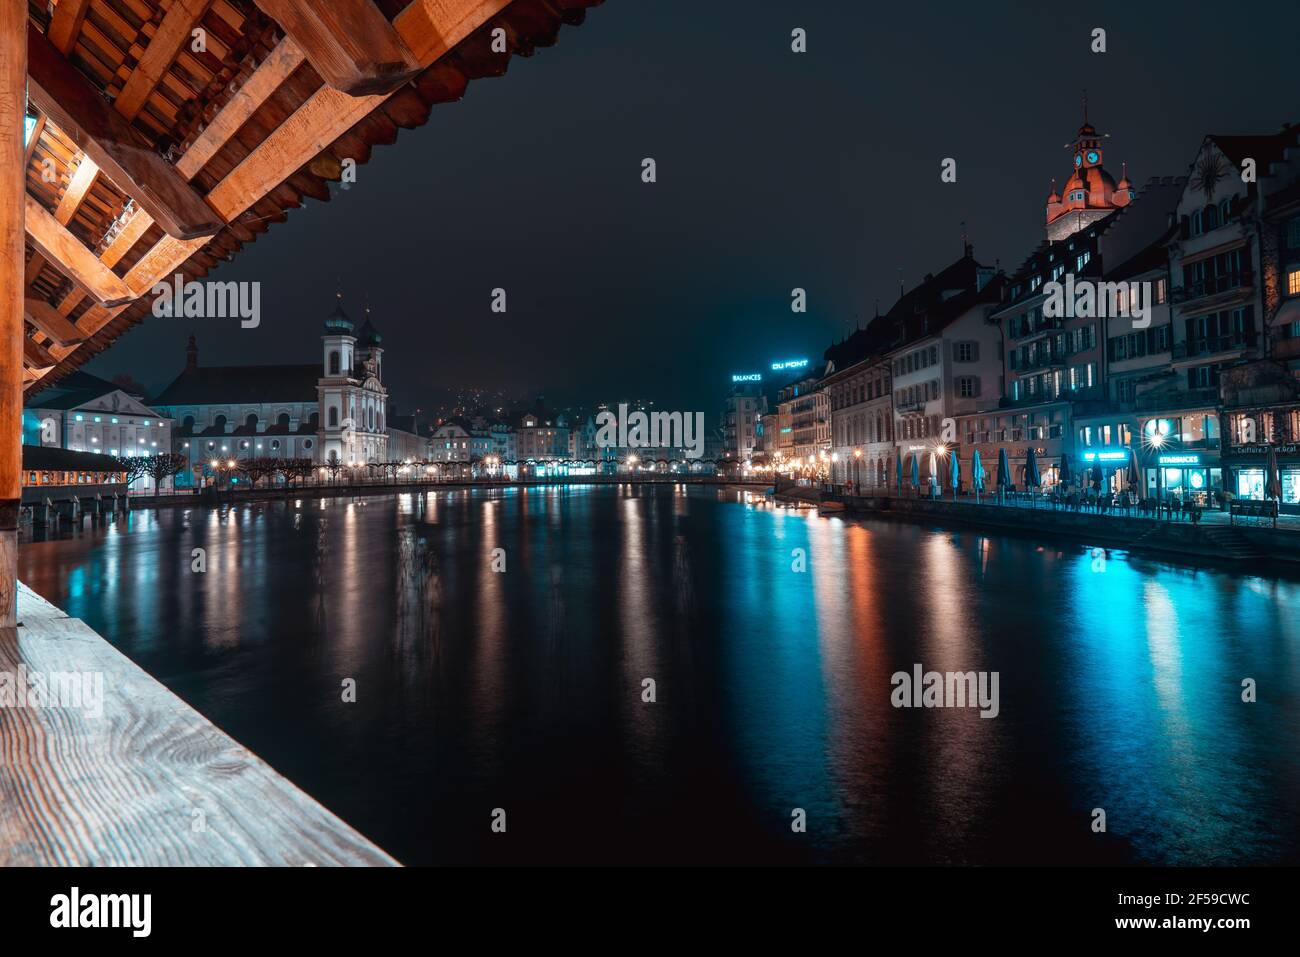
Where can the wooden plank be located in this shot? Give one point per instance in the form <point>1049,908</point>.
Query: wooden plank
<point>123,155</point>
<point>66,24</point>
<point>265,80</point>
<point>172,35</point>
<point>47,319</point>
<point>36,358</point>
<point>350,43</point>
<point>81,182</point>
<point>53,241</point>
<point>122,787</point>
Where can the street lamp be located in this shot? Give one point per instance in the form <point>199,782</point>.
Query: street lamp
<point>857,470</point>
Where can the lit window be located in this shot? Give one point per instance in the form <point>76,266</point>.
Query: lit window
<point>1293,283</point>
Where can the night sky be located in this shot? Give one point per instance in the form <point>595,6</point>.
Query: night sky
<point>775,170</point>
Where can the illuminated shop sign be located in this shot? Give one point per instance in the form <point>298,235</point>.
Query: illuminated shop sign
<point>1179,460</point>
<point>1105,456</point>
<point>1287,449</point>
<point>748,377</point>
<point>789,364</point>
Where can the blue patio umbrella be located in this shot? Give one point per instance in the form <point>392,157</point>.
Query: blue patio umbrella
<point>898,473</point>
<point>1064,471</point>
<point>1004,470</point>
<point>916,472</point>
<point>1134,475</point>
<point>956,474</point>
<point>977,474</point>
<point>1033,478</point>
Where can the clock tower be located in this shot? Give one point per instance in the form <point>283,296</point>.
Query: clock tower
<point>1091,193</point>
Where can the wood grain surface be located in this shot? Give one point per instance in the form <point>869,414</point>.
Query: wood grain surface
<point>150,781</point>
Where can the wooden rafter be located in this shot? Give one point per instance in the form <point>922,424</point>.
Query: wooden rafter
<point>65,25</point>
<point>53,241</point>
<point>350,43</point>
<point>74,104</point>
<point>37,358</point>
<point>266,79</point>
<point>428,27</point>
<point>81,182</point>
<point>173,33</point>
<point>47,319</point>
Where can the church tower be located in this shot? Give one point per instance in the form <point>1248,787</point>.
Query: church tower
<point>1090,193</point>
<point>335,438</point>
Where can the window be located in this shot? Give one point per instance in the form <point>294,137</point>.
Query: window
<point>1196,223</point>
<point>1082,260</point>
<point>333,417</point>
<point>968,386</point>
<point>1293,282</point>
<point>1162,291</point>
<point>334,363</point>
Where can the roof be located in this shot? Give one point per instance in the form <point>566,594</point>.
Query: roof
<point>234,385</point>
<point>53,457</point>
<point>75,389</point>
<point>204,151</point>
<point>338,321</point>
<point>368,335</point>
<point>1154,256</point>
<point>1263,149</point>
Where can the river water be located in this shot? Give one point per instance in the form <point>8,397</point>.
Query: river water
<point>770,635</point>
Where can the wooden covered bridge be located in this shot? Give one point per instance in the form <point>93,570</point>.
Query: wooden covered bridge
<point>141,139</point>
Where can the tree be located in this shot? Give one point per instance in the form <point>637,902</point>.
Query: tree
<point>300,469</point>
<point>134,467</point>
<point>163,466</point>
<point>255,470</point>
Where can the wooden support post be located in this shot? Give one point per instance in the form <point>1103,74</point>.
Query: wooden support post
<point>13,109</point>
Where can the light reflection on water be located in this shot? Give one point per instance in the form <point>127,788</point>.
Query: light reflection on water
<point>1120,681</point>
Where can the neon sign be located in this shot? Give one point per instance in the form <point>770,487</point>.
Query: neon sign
<point>748,377</point>
<point>789,364</point>
<point>1180,460</point>
<point>1105,456</point>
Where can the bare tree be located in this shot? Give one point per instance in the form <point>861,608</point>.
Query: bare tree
<point>164,466</point>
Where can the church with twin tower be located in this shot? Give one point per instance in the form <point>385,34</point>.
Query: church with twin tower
<point>333,410</point>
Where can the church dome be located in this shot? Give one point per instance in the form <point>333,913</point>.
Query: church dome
<point>1053,196</point>
<point>337,322</point>
<point>368,336</point>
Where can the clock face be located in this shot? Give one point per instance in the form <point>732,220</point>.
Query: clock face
<point>1092,156</point>
<point>1078,160</point>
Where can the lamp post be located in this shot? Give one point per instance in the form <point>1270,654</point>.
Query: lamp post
<point>857,471</point>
